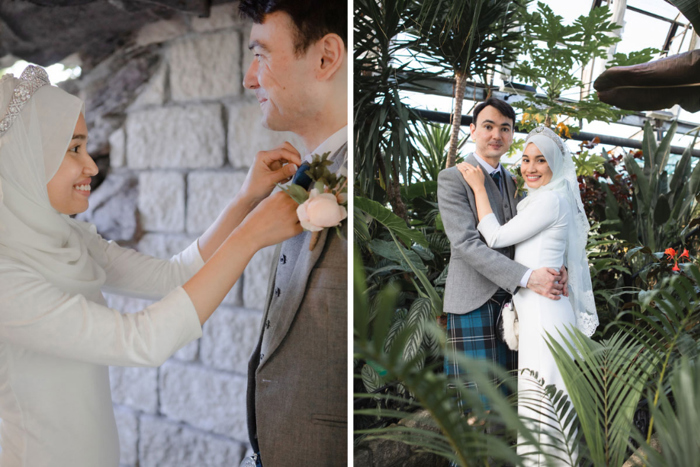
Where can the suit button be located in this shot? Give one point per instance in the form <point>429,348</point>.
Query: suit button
<point>261,356</point>
<point>267,324</point>
<point>283,259</point>
<point>278,291</point>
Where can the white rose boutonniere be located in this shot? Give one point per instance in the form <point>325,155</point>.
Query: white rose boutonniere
<point>324,204</point>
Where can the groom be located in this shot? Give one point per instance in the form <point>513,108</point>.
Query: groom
<point>297,375</point>
<point>480,279</point>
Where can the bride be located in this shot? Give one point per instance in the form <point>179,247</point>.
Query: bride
<point>57,336</point>
<point>549,230</point>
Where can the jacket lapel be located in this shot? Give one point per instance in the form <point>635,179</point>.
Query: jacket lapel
<point>492,191</point>
<point>295,289</point>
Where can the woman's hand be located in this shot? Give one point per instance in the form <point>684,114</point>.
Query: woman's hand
<point>270,167</point>
<point>474,176</point>
<point>273,221</point>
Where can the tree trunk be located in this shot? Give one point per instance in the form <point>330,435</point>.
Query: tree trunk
<point>460,85</point>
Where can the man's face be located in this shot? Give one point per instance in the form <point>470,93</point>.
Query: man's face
<point>282,81</point>
<point>492,133</point>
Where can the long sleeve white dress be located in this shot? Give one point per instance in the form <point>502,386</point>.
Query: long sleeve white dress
<point>55,348</point>
<point>539,234</point>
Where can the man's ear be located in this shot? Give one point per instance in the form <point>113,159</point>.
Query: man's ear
<point>332,56</point>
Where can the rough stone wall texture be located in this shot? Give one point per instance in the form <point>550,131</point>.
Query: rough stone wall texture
<point>179,153</point>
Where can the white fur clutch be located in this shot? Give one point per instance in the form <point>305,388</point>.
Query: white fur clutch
<point>510,328</point>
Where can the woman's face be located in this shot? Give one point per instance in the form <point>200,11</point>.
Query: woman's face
<point>69,189</point>
<point>535,168</point>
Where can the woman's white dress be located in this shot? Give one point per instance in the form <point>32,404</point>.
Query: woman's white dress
<point>55,349</point>
<point>539,234</point>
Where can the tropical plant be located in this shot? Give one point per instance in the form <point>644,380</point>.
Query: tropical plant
<point>447,432</point>
<point>383,123</point>
<point>555,54</point>
<point>467,39</point>
<point>605,382</point>
<point>663,209</point>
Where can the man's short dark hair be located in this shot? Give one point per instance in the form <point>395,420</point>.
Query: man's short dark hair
<point>312,18</point>
<point>502,106</point>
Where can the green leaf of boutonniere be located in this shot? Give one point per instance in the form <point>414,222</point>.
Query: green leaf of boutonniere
<point>297,193</point>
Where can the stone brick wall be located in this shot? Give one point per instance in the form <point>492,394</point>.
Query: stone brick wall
<point>180,151</point>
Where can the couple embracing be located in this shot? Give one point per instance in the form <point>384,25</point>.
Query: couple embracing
<point>503,245</point>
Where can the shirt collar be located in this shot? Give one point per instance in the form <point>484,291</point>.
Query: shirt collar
<point>332,144</point>
<point>488,167</point>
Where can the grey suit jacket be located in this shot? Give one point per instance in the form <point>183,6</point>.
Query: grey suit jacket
<point>297,375</point>
<point>476,271</point>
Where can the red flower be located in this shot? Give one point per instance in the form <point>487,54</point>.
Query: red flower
<point>685,254</point>
<point>676,268</point>
<point>670,252</point>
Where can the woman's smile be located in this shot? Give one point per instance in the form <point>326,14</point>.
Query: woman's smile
<point>83,187</point>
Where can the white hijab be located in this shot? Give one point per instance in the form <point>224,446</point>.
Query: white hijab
<point>31,151</point>
<point>564,181</point>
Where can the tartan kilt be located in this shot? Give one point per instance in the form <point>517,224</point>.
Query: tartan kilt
<point>475,334</point>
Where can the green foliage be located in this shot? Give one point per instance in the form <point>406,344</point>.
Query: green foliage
<point>556,54</point>
<point>633,58</point>
<point>677,418</point>
<point>383,124</point>
<point>468,37</point>
<point>664,208</point>
<point>432,140</point>
<point>605,382</point>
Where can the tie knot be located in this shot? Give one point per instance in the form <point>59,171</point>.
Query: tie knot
<point>496,176</point>
<point>301,178</point>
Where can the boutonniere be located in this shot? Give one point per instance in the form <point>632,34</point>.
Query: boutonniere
<point>518,180</point>
<point>323,205</point>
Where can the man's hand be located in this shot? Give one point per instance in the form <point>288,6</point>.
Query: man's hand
<point>270,167</point>
<point>546,282</point>
<point>564,280</point>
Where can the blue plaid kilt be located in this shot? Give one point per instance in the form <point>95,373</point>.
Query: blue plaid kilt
<point>475,334</point>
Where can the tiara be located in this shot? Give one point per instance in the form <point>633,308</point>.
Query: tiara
<point>549,133</point>
<point>31,79</point>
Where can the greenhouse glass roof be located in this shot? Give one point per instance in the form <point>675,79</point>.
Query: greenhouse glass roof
<point>647,23</point>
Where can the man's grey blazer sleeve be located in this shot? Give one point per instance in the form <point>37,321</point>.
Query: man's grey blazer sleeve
<point>459,219</point>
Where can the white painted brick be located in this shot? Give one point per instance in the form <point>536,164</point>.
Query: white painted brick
<point>229,338</point>
<point>256,279</point>
<point>153,93</point>
<point>161,31</point>
<point>126,304</point>
<point>162,201</point>
<point>189,352</point>
<point>117,146</point>
<point>206,399</point>
<point>135,387</point>
<point>208,193</point>
<point>247,136</point>
<point>128,428</point>
<point>206,66</point>
<point>164,246</point>
<point>175,137</point>
<point>221,17</point>
<point>166,444</point>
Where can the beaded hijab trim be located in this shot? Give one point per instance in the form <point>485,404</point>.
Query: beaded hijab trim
<point>549,133</point>
<point>31,79</point>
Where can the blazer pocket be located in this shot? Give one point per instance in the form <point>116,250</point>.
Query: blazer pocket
<point>329,420</point>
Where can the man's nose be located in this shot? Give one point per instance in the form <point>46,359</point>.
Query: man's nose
<point>250,80</point>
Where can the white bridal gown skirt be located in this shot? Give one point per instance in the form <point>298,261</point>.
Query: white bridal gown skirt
<point>537,316</point>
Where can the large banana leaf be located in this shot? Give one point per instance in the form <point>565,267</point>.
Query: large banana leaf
<point>654,85</point>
